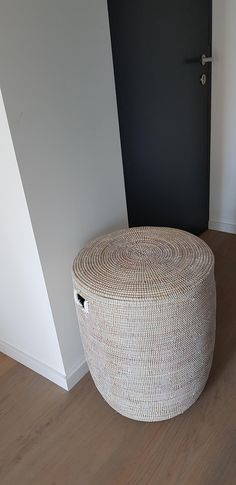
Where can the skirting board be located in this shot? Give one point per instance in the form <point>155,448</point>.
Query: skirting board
<point>76,374</point>
<point>64,381</point>
<point>222,226</point>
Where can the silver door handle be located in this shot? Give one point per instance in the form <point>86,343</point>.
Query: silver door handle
<point>205,59</point>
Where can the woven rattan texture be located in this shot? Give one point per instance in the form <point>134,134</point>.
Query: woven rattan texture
<point>144,262</point>
<point>149,342</point>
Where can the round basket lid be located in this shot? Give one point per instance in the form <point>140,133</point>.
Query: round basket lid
<point>143,263</point>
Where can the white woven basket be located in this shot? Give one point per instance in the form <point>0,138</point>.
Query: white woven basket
<point>145,300</point>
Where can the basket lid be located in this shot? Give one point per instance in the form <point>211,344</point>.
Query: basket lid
<point>142,263</point>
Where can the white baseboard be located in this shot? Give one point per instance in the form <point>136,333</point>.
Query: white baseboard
<point>222,226</point>
<point>65,381</point>
<point>76,374</point>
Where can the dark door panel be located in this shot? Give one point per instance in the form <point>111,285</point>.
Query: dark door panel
<point>164,110</point>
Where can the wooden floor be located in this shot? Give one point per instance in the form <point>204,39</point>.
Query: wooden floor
<point>51,437</point>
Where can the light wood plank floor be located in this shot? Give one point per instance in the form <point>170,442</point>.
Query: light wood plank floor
<point>51,437</point>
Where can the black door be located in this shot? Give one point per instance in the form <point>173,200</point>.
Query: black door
<point>164,108</point>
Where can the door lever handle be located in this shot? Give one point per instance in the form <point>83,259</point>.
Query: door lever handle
<point>205,60</point>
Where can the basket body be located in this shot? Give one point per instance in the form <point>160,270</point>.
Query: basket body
<point>150,357</point>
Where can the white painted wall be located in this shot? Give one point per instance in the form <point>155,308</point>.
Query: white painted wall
<point>57,80</point>
<point>223,141</point>
<point>26,323</point>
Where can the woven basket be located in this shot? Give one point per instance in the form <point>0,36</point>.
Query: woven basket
<point>145,300</point>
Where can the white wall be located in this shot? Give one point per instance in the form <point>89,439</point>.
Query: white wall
<point>223,142</point>
<point>57,81</point>
<point>26,324</point>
